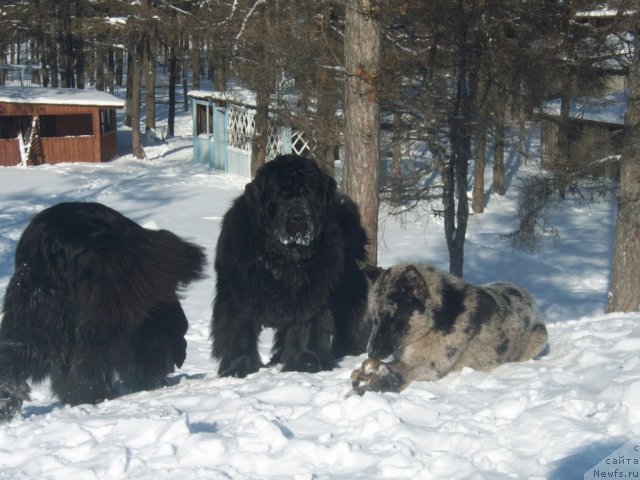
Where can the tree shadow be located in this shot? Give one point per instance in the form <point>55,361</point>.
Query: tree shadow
<point>579,462</point>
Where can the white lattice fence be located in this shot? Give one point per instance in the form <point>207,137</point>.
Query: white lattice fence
<point>275,145</point>
<point>301,143</point>
<point>242,126</point>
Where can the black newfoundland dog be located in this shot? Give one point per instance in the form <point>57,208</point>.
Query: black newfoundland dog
<point>286,259</point>
<point>94,305</point>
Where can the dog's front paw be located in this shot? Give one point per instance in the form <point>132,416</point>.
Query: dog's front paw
<point>239,367</point>
<point>11,398</point>
<point>303,362</point>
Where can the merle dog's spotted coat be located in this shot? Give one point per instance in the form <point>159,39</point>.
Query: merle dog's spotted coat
<point>433,323</point>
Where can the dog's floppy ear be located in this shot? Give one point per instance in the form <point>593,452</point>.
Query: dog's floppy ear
<point>372,272</point>
<point>412,284</point>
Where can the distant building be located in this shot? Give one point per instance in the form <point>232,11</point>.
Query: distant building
<point>594,132</point>
<point>53,125</point>
<point>223,129</point>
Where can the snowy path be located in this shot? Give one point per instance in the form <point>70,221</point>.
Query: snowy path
<point>550,418</point>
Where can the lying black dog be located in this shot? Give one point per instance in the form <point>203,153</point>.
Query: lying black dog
<point>286,258</point>
<point>93,304</point>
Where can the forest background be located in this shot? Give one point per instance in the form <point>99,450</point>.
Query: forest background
<point>444,80</point>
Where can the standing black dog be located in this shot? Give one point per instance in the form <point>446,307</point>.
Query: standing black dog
<point>286,259</point>
<point>93,304</point>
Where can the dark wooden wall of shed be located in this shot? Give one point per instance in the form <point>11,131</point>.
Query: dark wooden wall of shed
<point>84,148</point>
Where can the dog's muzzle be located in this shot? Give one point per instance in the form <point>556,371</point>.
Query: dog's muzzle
<point>295,224</point>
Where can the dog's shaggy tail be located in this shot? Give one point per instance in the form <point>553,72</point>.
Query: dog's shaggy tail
<point>173,260</point>
<point>126,275</point>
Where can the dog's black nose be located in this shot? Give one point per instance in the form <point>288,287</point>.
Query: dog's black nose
<point>297,212</point>
<point>297,216</point>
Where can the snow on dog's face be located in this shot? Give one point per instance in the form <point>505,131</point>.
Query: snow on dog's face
<point>395,296</point>
<point>290,197</point>
<point>294,224</point>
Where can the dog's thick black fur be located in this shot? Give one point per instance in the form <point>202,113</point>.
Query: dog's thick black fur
<point>93,304</point>
<point>286,259</point>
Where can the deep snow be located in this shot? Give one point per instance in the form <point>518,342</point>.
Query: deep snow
<point>554,417</point>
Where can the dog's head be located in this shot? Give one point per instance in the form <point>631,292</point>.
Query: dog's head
<point>289,197</point>
<point>395,296</point>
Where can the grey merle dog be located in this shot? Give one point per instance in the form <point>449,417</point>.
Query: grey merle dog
<point>432,323</point>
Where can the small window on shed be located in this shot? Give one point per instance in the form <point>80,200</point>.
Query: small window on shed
<point>10,125</point>
<point>204,120</point>
<point>66,125</point>
<point>107,121</point>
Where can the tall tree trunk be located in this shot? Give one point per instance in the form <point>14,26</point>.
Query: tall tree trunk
<point>173,77</point>
<point>477,203</point>
<point>456,204</point>
<point>111,70</point>
<point>217,66</point>
<point>100,64</point>
<point>397,187</point>
<point>196,61</point>
<point>15,50</point>
<point>41,38</point>
<point>79,60</point>
<point>561,167</point>
<point>90,66</point>
<point>362,45</point>
<point>624,294</point>
<point>261,132</point>
<point>150,53</point>
<point>65,41</point>
<point>129,92</point>
<point>220,73</point>
<point>498,185</point>
<point>52,54</point>
<point>522,136</point>
<point>119,66</point>
<point>136,100</point>
<point>265,84</point>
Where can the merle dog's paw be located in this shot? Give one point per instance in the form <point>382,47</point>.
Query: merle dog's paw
<point>239,367</point>
<point>303,362</point>
<point>374,376</point>
<point>11,398</point>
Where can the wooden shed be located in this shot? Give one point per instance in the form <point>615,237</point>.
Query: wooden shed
<point>53,125</point>
<point>588,142</point>
<point>593,133</point>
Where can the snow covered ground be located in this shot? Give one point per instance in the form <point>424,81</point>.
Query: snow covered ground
<point>554,417</point>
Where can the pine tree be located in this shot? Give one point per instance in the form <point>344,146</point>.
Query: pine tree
<point>624,293</point>
<point>362,115</point>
